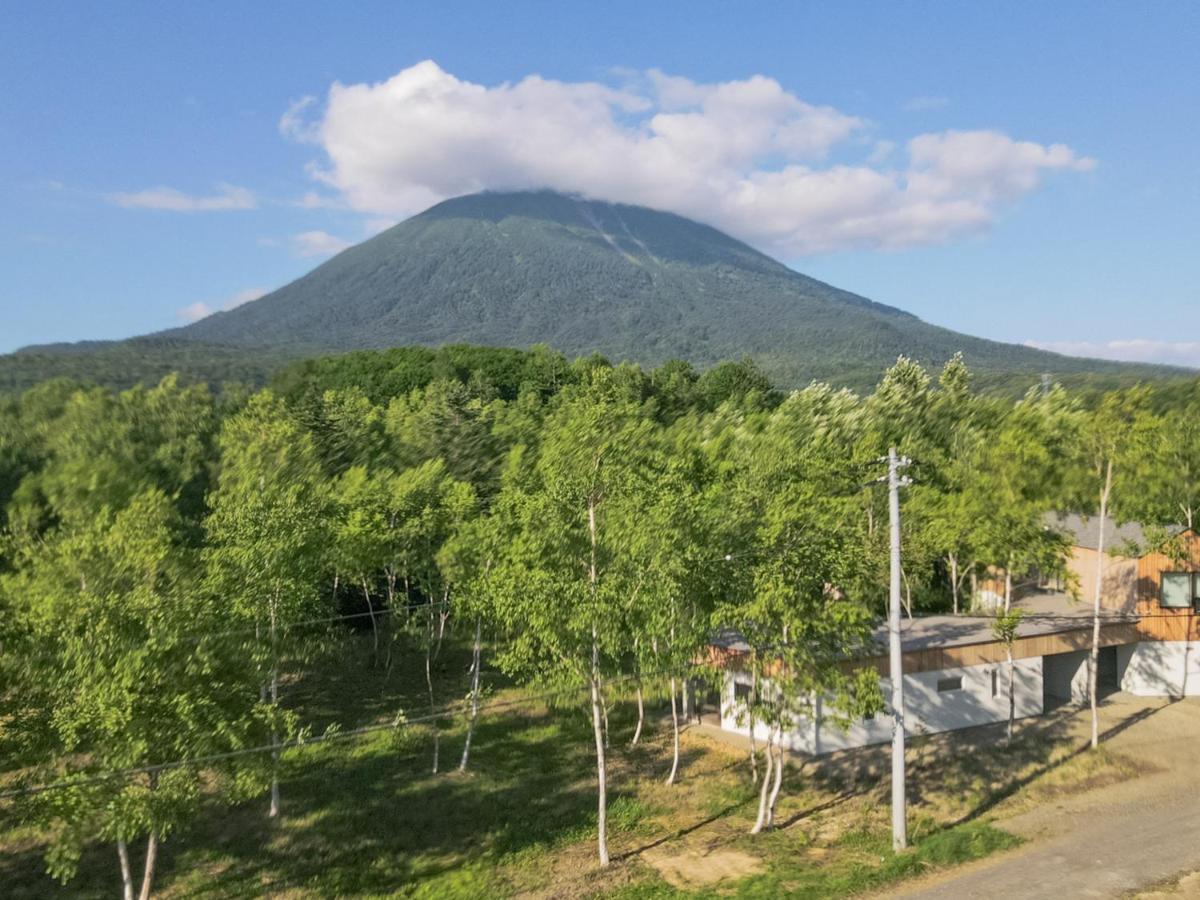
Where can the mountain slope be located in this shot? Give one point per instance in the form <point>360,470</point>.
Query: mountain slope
<point>587,276</point>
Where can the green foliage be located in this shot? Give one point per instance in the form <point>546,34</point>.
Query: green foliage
<point>597,522</point>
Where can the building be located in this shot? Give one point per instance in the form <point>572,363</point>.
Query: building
<point>956,673</point>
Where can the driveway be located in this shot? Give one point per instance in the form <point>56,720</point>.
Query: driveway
<point>1108,841</point>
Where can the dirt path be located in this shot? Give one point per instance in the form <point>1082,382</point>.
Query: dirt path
<point>1109,841</point>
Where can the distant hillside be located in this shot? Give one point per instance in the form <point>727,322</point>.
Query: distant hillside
<point>585,276</point>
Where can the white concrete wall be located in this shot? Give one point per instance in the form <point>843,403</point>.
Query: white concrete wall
<point>1160,668</point>
<point>928,711</point>
<point>1066,675</point>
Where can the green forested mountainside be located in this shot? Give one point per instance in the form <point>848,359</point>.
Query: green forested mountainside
<point>582,276</point>
<point>123,364</point>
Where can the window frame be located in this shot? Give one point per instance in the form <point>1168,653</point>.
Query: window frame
<point>1193,590</point>
<point>949,684</point>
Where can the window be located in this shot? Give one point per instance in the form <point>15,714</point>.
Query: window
<point>1178,590</point>
<point>741,691</point>
<point>995,682</point>
<point>945,685</point>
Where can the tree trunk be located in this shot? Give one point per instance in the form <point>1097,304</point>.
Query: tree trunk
<point>126,874</point>
<point>604,715</point>
<point>374,626</point>
<point>599,728</point>
<point>151,860</point>
<point>475,661</point>
<point>907,597</point>
<point>750,718</point>
<point>954,580</point>
<point>641,706</point>
<point>764,794</point>
<point>675,731</point>
<point>1094,660</point>
<point>601,769</point>
<point>1008,585</point>
<point>778,782</point>
<point>274,811</point>
<point>974,587</point>
<point>1012,696</point>
<point>432,705</point>
<point>433,649</point>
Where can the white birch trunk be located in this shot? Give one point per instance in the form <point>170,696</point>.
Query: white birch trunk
<point>675,730</point>
<point>764,793</point>
<point>1094,659</point>
<point>954,580</point>
<point>641,707</point>
<point>750,718</point>
<point>374,626</point>
<point>432,704</point>
<point>1008,585</point>
<point>604,715</point>
<point>601,768</point>
<point>126,874</point>
<point>778,782</point>
<point>475,662</point>
<point>1012,695</point>
<point>274,811</point>
<point>599,727</point>
<point>151,861</point>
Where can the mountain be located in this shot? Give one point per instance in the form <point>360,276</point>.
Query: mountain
<point>514,269</point>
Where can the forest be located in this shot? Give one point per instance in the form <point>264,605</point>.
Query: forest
<point>170,553</point>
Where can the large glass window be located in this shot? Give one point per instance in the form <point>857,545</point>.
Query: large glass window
<point>1177,589</point>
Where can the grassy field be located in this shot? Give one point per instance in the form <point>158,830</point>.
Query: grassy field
<point>365,817</point>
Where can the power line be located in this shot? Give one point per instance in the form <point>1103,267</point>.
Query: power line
<point>328,736</point>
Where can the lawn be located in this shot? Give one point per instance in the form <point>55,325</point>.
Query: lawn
<point>364,816</point>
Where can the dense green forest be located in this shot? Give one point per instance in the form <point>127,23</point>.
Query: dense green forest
<point>167,550</point>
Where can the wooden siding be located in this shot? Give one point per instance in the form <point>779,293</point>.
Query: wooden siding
<point>1159,623</point>
<point>936,658</point>
<point>988,652</point>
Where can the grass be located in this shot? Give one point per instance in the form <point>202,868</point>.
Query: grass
<point>365,816</point>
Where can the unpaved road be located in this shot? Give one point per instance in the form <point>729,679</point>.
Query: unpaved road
<point>1110,841</point>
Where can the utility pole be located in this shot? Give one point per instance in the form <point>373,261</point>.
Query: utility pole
<point>895,652</point>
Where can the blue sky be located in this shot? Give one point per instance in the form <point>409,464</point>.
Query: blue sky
<point>1026,172</point>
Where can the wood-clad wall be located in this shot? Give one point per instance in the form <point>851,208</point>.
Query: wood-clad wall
<point>936,658</point>
<point>1158,623</point>
<point>990,652</point>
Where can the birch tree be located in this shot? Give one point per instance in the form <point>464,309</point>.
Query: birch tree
<point>117,651</point>
<point>267,539</point>
<point>1112,438</point>
<point>1004,627</point>
<point>560,608</point>
<point>801,610</point>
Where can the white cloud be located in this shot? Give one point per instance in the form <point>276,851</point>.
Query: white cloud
<point>318,243</point>
<point>747,156</point>
<point>1148,350</point>
<point>228,196</point>
<point>926,104</point>
<point>292,123</point>
<point>313,200</point>
<point>199,310</point>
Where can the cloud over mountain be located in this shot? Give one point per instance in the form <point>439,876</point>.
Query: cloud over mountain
<point>1149,350</point>
<point>196,311</point>
<point>747,155</point>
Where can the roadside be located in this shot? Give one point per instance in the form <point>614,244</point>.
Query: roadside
<point>1112,839</point>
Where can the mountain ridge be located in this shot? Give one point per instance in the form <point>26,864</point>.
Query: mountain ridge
<point>589,276</point>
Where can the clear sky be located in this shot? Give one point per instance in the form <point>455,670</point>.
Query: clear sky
<point>1020,171</point>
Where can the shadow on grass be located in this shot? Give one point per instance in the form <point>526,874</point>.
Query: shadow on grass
<point>1046,766</point>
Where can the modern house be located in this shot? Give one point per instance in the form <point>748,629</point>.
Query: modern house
<point>956,673</point>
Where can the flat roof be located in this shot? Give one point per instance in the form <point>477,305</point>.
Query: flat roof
<point>1048,613</point>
